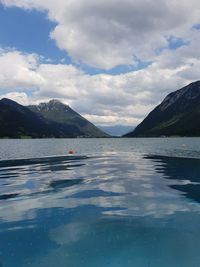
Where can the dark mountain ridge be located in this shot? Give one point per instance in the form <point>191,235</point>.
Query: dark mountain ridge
<point>47,120</point>
<point>57,112</point>
<point>177,115</point>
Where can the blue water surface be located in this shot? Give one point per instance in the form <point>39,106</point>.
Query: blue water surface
<point>115,202</point>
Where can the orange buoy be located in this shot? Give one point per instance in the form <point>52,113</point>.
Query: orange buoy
<point>70,151</point>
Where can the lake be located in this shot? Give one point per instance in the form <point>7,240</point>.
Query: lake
<point>115,202</point>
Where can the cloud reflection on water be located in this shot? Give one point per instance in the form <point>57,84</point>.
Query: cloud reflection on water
<point>131,184</point>
<point>112,210</point>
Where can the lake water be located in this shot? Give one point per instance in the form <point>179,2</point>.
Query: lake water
<point>115,202</point>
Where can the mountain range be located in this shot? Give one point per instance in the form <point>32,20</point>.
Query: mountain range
<point>116,130</point>
<point>177,115</point>
<point>46,120</point>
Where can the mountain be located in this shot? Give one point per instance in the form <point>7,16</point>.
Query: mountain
<point>116,130</point>
<point>177,115</point>
<point>55,111</point>
<point>17,121</point>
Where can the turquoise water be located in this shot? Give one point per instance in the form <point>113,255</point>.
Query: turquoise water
<point>116,202</point>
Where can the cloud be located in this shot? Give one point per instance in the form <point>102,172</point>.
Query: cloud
<point>18,70</point>
<point>107,33</point>
<point>19,97</point>
<point>102,98</point>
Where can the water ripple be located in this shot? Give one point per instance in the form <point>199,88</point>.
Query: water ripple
<point>125,184</point>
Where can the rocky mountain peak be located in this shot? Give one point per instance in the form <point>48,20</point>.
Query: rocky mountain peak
<point>185,94</point>
<point>53,104</point>
<point>52,119</point>
<point>177,115</point>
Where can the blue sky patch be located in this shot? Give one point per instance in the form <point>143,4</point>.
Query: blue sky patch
<point>28,31</point>
<point>175,43</point>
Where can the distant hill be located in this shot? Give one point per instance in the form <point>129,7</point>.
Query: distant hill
<point>116,130</point>
<point>177,115</point>
<point>18,121</point>
<point>52,119</point>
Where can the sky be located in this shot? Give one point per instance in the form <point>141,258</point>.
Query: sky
<point>112,61</point>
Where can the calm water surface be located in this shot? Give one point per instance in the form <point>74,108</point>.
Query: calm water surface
<point>116,202</point>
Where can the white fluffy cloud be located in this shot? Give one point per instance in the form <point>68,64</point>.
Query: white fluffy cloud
<point>108,33</point>
<point>19,97</point>
<point>103,99</point>
<point>17,70</point>
<point>105,34</point>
